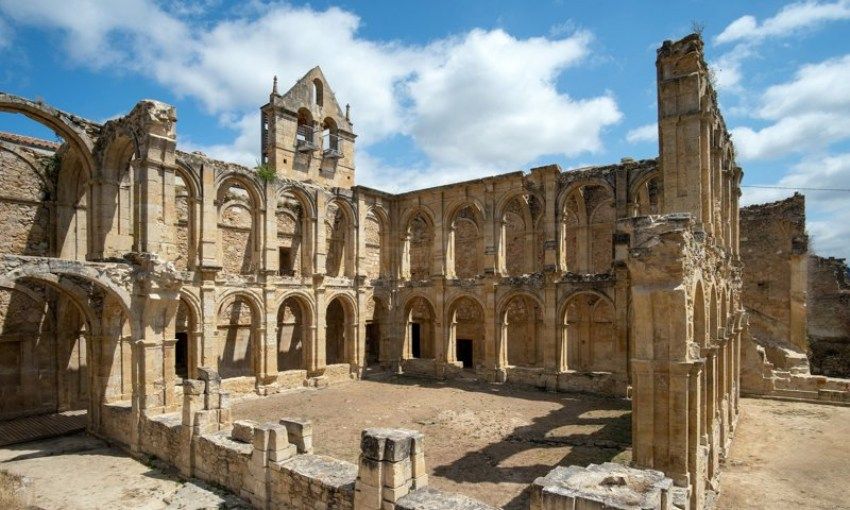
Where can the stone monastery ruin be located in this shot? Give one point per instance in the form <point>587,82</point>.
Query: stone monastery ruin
<point>148,285</point>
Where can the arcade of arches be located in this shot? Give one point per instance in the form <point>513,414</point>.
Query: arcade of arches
<point>128,266</point>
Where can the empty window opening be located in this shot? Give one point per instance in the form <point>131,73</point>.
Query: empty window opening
<point>285,262</point>
<point>416,340</point>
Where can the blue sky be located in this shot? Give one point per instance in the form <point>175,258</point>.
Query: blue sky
<point>445,91</point>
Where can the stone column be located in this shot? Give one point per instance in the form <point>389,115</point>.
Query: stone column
<point>209,219</point>
<point>392,464</point>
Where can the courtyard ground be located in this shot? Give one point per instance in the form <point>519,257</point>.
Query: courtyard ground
<point>788,455</point>
<point>80,472</point>
<point>485,441</point>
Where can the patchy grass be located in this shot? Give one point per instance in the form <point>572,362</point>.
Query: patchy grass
<point>10,485</point>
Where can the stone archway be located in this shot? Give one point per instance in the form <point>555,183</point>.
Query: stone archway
<point>294,333</point>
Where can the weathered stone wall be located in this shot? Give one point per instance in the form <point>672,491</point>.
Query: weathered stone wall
<point>774,249</point>
<point>828,305</point>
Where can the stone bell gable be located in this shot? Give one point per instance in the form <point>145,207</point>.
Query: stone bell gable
<point>306,135</point>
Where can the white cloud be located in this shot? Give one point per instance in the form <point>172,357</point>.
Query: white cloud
<point>481,101</point>
<point>646,133</point>
<point>474,103</point>
<point>490,100</point>
<point>791,19</point>
<point>828,218</point>
<point>815,87</point>
<point>811,111</point>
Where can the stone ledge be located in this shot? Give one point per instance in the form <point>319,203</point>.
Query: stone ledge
<point>433,499</point>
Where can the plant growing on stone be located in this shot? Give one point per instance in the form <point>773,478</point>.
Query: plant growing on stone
<point>265,172</point>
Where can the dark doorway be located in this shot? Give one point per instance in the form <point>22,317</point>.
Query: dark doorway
<point>373,343</point>
<point>464,352</point>
<point>416,340</point>
<point>181,355</point>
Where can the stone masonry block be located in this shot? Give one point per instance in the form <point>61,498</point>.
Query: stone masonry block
<point>193,387</point>
<point>300,433</point>
<point>243,430</point>
<point>396,474</point>
<point>278,438</point>
<point>369,472</point>
<point>366,497</point>
<point>282,454</point>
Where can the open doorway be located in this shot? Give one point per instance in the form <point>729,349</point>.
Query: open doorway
<point>181,355</point>
<point>464,352</point>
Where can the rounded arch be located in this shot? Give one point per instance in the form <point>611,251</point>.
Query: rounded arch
<point>589,342</point>
<point>700,326</point>
<point>420,210</point>
<point>254,300</point>
<point>514,293</point>
<point>56,269</point>
<point>584,182</point>
<point>340,227</point>
<point>295,321</point>
<point>190,175</point>
<point>455,207</point>
<point>340,328</point>
<point>239,333</point>
<point>646,195</point>
<point>467,341</point>
<point>465,239</point>
<point>523,196</point>
<point>193,303</point>
<point>520,320</point>
<point>56,120</point>
<point>419,234</point>
<point>377,236</point>
<point>420,327</point>
<point>305,198</point>
<point>458,298</point>
<point>242,179</point>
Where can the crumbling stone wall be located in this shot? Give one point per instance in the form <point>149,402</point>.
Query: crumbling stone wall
<point>828,316</point>
<point>774,251</point>
<point>24,201</point>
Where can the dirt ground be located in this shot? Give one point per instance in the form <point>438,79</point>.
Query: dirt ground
<point>788,455</point>
<point>488,442</point>
<point>80,472</point>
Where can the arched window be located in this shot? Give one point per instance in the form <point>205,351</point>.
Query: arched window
<point>318,92</point>
<point>331,146</point>
<point>304,136</point>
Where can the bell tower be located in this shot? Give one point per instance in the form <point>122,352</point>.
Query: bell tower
<point>306,136</point>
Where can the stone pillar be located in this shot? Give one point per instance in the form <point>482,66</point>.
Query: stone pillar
<point>798,278</point>
<point>666,395</point>
<point>392,464</point>
<point>317,356</point>
<point>209,219</point>
<point>682,99</point>
<point>267,337</point>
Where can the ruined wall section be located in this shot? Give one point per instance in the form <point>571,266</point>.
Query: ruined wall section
<point>774,251</point>
<point>829,316</point>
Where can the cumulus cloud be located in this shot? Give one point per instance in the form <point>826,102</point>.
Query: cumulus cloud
<point>646,133</point>
<point>490,99</point>
<point>480,101</point>
<point>791,19</point>
<point>747,34</point>
<point>811,111</point>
